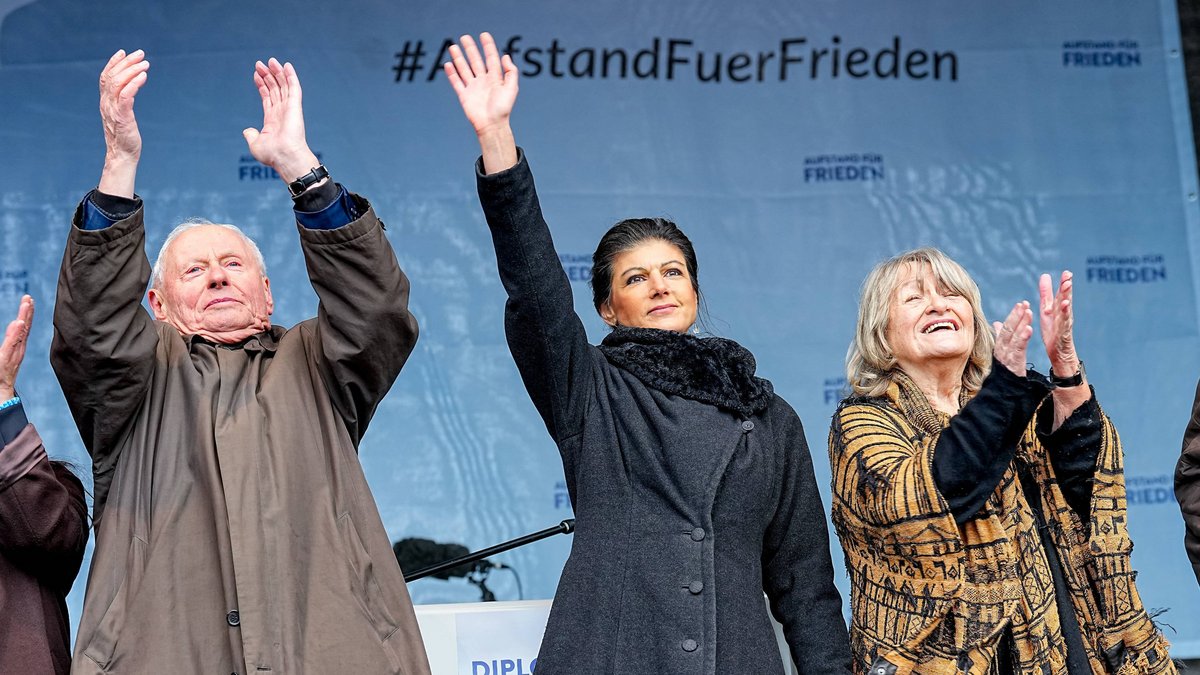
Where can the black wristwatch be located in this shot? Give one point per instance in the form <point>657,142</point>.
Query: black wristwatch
<point>1069,381</point>
<point>298,186</point>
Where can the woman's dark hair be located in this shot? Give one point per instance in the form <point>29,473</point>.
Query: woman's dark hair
<point>628,234</point>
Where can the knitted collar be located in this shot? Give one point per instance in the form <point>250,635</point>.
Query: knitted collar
<point>711,370</point>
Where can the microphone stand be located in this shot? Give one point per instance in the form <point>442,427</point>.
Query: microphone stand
<point>565,527</point>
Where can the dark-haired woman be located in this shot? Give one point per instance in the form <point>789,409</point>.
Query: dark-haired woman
<point>691,480</point>
<point>43,529</point>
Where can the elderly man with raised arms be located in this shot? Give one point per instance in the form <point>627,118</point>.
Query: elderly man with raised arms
<point>235,530</point>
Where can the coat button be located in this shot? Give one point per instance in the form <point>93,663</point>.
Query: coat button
<point>698,534</point>
<point>689,645</point>
<point>695,587</point>
<point>232,618</point>
<point>747,425</point>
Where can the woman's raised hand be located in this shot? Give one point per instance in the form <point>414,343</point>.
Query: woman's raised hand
<point>1012,338</point>
<point>486,86</point>
<point>1057,318</point>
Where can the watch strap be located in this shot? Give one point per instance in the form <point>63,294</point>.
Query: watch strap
<point>1068,381</point>
<point>298,186</point>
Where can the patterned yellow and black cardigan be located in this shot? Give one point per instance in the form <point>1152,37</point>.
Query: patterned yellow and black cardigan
<point>931,596</point>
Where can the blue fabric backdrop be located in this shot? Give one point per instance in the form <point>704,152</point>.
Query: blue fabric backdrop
<point>797,143</point>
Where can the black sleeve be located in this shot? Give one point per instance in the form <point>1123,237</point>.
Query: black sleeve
<point>797,567</point>
<point>1187,486</point>
<point>546,337</point>
<point>971,455</point>
<point>1073,449</point>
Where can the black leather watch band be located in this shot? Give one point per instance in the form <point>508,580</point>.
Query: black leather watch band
<point>1069,381</point>
<point>306,181</point>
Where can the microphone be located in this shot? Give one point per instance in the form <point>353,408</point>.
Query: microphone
<point>416,553</point>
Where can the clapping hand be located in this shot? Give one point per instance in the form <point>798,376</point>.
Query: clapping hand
<point>12,350</point>
<point>281,143</point>
<point>1057,319</point>
<point>1012,338</point>
<point>120,81</point>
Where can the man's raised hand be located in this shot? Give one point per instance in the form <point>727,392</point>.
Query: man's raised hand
<point>280,144</point>
<point>122,77</point>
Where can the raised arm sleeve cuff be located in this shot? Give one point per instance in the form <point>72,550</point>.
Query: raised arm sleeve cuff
<point>101,210</point>
<point>20,456</point>
<point>12,422</point>
<point>326,207</point>
<point>490,183</point>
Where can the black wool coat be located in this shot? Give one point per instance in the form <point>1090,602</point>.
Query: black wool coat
<point>1187,485</point>
<point>692,485</point>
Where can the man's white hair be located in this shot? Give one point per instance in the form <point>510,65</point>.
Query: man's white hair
<point>192,223</point>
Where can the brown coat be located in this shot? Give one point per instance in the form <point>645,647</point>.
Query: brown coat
<point>235,532</point>
<point>43,531</point>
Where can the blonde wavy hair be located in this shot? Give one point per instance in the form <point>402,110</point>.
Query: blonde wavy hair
<point>870,364</point>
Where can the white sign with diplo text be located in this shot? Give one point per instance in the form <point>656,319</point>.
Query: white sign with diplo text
<point>500,638</point>
<point>501,642</point>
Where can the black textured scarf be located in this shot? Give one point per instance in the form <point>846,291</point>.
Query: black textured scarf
<point>711,370</point>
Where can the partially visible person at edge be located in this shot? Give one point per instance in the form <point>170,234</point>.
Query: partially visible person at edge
<point>1187,486</point>
<point>980,506</point>
<point>691,481</point>
<point>235,532</point>
<point>43,529</point>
